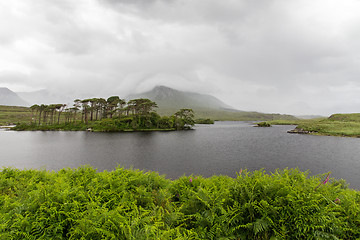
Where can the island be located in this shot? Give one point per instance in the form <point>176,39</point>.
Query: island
<point>105,115</point>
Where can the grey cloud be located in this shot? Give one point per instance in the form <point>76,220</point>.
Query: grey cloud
<point>139,4</point>
<point>242,51</point>
<point>12,77</point>
<point>192,12</point>
<point>132,2</point>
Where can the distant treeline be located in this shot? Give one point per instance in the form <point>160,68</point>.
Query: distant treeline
<point>112,114</point>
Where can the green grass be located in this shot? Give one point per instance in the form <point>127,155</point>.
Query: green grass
<point>129,204</point>
<point>332,128</point>
<point>12,115</point>
<point>107,125</point>
<point>345,125</point>
<point>351,117</point>
<point>294,121</point>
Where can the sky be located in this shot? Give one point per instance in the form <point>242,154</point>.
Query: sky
<point>275,56</point>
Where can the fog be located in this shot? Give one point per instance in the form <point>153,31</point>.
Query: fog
<point>295,57</point>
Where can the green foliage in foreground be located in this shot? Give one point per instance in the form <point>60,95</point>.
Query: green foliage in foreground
<point>126,204</point>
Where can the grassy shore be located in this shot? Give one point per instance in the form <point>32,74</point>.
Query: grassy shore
<point>97,126</point>
<point>129,204</point>
<point>10,115</point>
<point>344,125</point>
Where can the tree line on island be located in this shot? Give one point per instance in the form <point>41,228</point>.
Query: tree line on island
<point>111,114</point>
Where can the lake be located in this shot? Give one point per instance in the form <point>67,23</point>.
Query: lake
<point>222,148</point>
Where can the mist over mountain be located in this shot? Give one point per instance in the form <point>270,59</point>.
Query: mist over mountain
<point>44,96</point>
<point>169,101</point>
<point>205,106</point>
<point>310,116</point>
<point>10,98</point>
<point>168,98</point>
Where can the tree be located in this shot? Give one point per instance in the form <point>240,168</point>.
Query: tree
<point>85,108</point>
<point>34,108</point>
<point>165,122</point>
<point>142,106</point>
<point>68,112</point>
<point>121,105</point>
<point>47,112</point>
<point>112,103</point>
<point>41,108</point>
<point>184,118</point>
<point>100,107</point>
<point>142,110</point>
<point>50,109</point>
<point>60,108</point>
<point>76,107</point>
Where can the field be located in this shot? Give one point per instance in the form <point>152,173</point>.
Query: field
<point>345,125</point>
<point>10,115</point>
<point>332,128</point>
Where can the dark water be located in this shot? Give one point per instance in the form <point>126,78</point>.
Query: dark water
<point>223,148</point>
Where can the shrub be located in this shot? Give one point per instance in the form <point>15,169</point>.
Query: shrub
<point>263,124</point>
<point>130,204</point>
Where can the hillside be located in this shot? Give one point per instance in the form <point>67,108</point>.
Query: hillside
<point>9,98</point>
<point>205,106</point>
<point>168,98</point>
<point>350,117</point>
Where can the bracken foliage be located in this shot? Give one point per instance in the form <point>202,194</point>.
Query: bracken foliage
<point>130,204</point>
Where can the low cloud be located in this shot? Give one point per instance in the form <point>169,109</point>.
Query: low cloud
<point>271,56</point>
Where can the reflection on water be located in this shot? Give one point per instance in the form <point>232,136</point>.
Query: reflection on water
<point>223,148</point>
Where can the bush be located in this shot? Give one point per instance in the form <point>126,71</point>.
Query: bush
<point>130,204</point>
<point>263,124</point>
<point>204,121</point>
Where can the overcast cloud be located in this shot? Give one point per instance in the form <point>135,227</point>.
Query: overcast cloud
<point>286,56</point>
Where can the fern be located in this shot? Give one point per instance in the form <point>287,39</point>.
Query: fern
<point>130,204</point>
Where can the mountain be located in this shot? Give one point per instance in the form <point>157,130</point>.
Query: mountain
<point>205,106</point>
<point>43,97</point>
<point>9,98</point>
<point>168,98</point>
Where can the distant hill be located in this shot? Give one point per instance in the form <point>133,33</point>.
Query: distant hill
<point>309,116</point>
<point>168,98</point>
<point>43,97</point>
<point>345,117</point>
<point>205,106</point>
<point>9,98</point>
